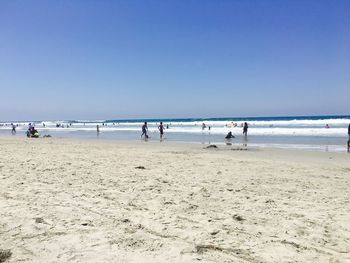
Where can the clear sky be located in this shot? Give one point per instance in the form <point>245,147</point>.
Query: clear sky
<point>180,58</point>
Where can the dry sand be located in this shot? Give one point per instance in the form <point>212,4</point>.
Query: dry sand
<point>92,201</point>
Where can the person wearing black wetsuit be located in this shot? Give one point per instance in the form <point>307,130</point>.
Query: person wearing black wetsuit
<point>245,129</point>
<point>161,130</point>
<point>144,130</point>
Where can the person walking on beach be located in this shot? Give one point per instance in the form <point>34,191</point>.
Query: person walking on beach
<point>98,129</point>
<point>245,129</point>
<point>13,129</point>
<point>144,130</point>
<point>161,130</point>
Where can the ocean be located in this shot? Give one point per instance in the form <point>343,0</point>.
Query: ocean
<point>320,133</point>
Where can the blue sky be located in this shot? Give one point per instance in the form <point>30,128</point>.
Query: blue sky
<point>184,58</point>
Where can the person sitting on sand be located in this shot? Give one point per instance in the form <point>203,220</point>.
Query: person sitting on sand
<point>229,136</point>
<point>32,132</point>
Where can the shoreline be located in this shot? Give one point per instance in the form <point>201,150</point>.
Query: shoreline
<point>223,144</point>
<point>311,133</point>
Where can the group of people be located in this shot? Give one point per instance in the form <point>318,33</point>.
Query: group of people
<point>245,132</point>
<point>32,132</point>
<point>145,130</point>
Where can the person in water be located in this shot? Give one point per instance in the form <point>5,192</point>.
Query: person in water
<point>245,129</point>
<point>13,129</point>
<point>229,136</point>
<point>144,130</point>
<point>161,130</point>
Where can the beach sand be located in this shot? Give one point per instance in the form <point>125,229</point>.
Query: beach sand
<point>102,201</point>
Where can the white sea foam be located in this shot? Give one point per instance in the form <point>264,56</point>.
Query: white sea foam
<point>332,132</point>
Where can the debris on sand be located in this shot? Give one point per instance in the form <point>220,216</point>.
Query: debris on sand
<point>5,254</point>
<point>39,220</point>
<point>213,233</point>
<point>140,167</point>
<point>239,149</point>
<point>238,217</point>
<point>211,146</point>
<point>203,248</point>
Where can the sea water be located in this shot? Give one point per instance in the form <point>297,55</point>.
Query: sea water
<point>325,133</point>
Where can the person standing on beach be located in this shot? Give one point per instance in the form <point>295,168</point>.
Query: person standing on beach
<point>98,129</point>
<point>161,130</point>
<point>144,130</point>
<point>349,131</point>
<point>245,129</point>
<point>13,129</point>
